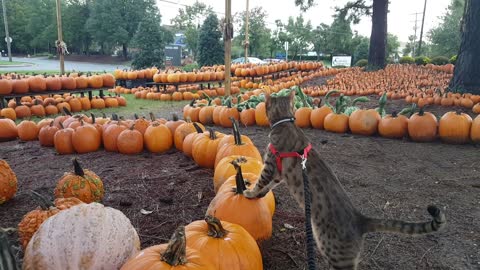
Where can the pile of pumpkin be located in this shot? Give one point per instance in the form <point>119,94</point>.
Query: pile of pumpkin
<point>237,164</point>
<point>22,84</point>
<point>184,93</point>
<point>42,106</point>
<point>252,70</point>
<point>173,76</point>
<point>135,74</point>
<point>448,68</point>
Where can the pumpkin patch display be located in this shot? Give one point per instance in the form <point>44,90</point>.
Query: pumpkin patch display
<point>119,240</point>
<point>8,182</point>
<point>82,184</point>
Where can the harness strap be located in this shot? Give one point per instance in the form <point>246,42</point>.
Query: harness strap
<point>279,156</point>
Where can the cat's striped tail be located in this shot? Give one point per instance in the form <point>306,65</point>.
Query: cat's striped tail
<point>398,226</point>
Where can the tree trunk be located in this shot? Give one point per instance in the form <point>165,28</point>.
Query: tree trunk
<point>125,52</point>
<point>467,69</point>
<point>378,39</point>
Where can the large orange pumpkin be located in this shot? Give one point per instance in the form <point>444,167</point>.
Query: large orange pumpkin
<point>158,138</point>
<point>364,122</point>
<point>454,127</point>
<point>37,83</point>
<point>317,117</point>
<point>393,126</point>
<point>130,141</point>
<point>204,148</point>
<point>86,138</point>
<point>27,130</point>
<point>422,126</point>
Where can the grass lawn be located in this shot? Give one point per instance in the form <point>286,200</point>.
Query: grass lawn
<point>7,63</point>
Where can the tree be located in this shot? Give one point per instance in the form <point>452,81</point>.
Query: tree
<point>467,67</point>
<point>188,21</point>
<point>339,35</point>
<point>361,50</point>
<point>210,48</point>
<point>298,35</point>
<point>445,38</point>
<point>75,14</point>
<point>258,33</point>
<point>150,40</point>
<point>320,39</point>
<point>392,45</point>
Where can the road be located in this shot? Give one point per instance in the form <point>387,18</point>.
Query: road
<point>43,63</point>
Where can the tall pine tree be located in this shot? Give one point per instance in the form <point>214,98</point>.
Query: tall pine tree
<point>210,48</point>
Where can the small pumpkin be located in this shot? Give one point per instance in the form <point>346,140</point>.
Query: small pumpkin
<point>27,130</point>
<point>187,146</point>
<point>66,231</point>
<point>182,131</point>
<point>46,135</point>
<point>33,219</point>
<point>422,126</point>
<point>394,126</point>
<point>247,116</point>
<point>130,141</point>
<point>86,138</point>
<point>62,140</point>
<point>175,255</point>
<point>158,138</point>
<point>261,117</point>
<point>8,182</point>
<point>82,184</point>
<point>237,246</point>
<point>224,170</point>
<point>174,123</point>
<point>8,113</point>
<point>204,148</point>
<point>454,127</point>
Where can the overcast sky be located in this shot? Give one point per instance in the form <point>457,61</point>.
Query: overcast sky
<point>401,20</point>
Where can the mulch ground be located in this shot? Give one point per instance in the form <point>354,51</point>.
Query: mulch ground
<point>384,178</point>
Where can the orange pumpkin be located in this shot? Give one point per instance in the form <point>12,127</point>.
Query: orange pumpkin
<point>302,117</point>
<point>187,146</point>
<point>204,148</point>
<point>224,170</point>
<point>86,138</point>
<point>454,127</point>
<point>110,136</point>
<point>46,135</point>
<point>95,81</point>
<point>27,130</point>
<point>422,126</point>
<point>261,117</point>
<point>364,122</point>
<point>68,83</point>
<point>158,138</point>
<point>130,141</point>
<point>337,123</point>
<point>37,83</point>
<point>8,182</point>
<point>8,113</point>
<point>62,140</point>
<point>317,116</point>
<point>474,131</point>
<point>6,86</point>
<point>182,131</point>
<point>393,126</point>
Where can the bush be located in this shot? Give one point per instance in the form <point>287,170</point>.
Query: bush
<point>407,60</point>
<point>190,67</point>
<point>422,60</point>
<point>453,60</point>
<point>440,60</point>
<point>361,63</point>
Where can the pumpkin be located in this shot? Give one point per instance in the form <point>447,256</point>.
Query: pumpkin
<point>227,113</point>
<point>62,141</point>
<point>224,170</point>
<point>7,260</point>
<point>261,117</point>
<point>22,111</point>
<point>82,184</point>
<point>81,82</point>
<point>8,130</point>
<point>422,126</point>
<point>110,136</point>
<point>33,219</point>
<point>238,249</point>
<point>108,80</point>
<point>174,123</point>
<point>37,83</point>
<point>130,141</point>
<point>237,147</point>
<point>230,205</point>
<point>394,126</point>
<point>302,117</point>
<point>317,116</point>
<point>77,231</point>
<point>476,108</point>
<point>8,113</point>
<point>37,109</point>
<point>6,86</point>
<point>175,255</point>
<point>86,138</point>
<point>204,148</point>
<point>205,116</point>
<point>141,124</point>
<point>158,138</point>
<point>53,83</point>
<point>111,102</point>
<point>364,122</point>
<point>8,182</point>
<point>68,83</point>
<point>97,103</point>
<point>95,81</point>
<point>454,127</point>
<point>46,135</point>
<point>182,131</point>
<point>20,86</point>
<point>475,130</point>
<point>216,114</point>
<point>27,130</point>
<point>187,146</point>
<point>247,116</point>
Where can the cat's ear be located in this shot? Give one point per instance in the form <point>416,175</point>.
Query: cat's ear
<point>267,97</point>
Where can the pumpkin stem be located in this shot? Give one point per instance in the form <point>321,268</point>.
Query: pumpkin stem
<point>66,111</point>
<point>114,116</point>
<point>152,116</point>
<point>213,136</point>
<point>135,115</point>
<point>239,181</point>
<point>78,169</point>
<point>61,125</point>
<point>42,201</point>
<point>197,128</point>
<point>215,228</point>
<point>175,254</point>
<point>236,132</point>
<point>93,118</point>
<point>174,117</point>
<point>327,96</point>
<point>394,114</point>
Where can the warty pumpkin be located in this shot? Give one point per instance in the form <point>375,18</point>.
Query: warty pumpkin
<point>239,251</point>
<point>33,219</point>
<point>175,255</point>
<point>66,231</point>
<point>454,127</point>
<point>8,182</point>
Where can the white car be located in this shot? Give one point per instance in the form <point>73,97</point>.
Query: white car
<point>253,60</point>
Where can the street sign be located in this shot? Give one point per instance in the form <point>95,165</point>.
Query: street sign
<point>286,46</point>
<point>9,39</point>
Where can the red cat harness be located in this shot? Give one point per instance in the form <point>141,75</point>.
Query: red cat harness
<point>279,156</point>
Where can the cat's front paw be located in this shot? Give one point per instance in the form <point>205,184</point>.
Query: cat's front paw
<point>249,194</point>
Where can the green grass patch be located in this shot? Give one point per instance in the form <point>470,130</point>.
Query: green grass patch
<point>13,63</point>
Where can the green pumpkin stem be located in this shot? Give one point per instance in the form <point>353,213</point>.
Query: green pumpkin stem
<point>236,132</point>
<point>239,181</point>
<point>44,203</point>
<point>215,228</point>
<point>175,254</point>
<point>77,168</point>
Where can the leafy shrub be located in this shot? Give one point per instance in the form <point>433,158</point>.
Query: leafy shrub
<point>361,63</point>
<point>453,60</point>
<point>440,60</point>
<point>407,60</point>
<point>190,67</point>
<point>422,60</point>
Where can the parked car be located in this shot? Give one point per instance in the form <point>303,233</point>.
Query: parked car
<point>253,60</point>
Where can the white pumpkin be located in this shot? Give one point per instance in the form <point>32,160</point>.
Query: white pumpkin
<point>84,237</point>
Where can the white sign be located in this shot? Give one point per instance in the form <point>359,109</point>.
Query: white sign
<point>341,61</point>
<point>286,46</point>
<point>10,39</point>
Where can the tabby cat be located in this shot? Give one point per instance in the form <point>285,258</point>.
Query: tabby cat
<point>338,227</point>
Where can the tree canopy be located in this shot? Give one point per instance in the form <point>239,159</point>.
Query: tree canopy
<point>258,32</point>
<point>210,48</point>
<point>445,38</point>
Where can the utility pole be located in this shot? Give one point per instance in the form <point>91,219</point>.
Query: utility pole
<point>227,39</point>
<point>247,14</point>
<point>60,37</point>
<point>421,31</point>
<point>415,35</point>
<point>7,35</point>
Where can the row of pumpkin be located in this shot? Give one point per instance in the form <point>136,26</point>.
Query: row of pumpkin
<point>78,192</point>
<point>41,106</point>
<point>21,84</point>
<point>418,125</point>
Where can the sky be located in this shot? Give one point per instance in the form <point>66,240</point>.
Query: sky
<point>401,18</point>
